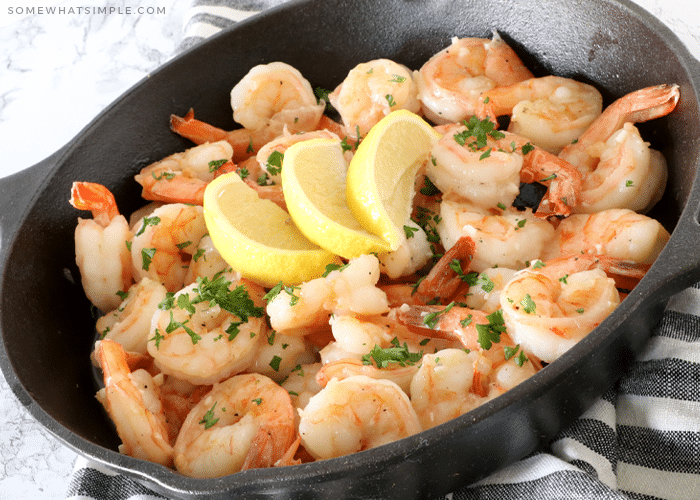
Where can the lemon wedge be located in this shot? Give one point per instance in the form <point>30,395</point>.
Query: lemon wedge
<point>258,238</point>
<point>313,182</point>
<point>381,175</point>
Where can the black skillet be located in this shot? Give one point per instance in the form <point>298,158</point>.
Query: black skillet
<point>47,328</point>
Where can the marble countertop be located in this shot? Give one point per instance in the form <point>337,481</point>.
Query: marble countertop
<point>58,72</point>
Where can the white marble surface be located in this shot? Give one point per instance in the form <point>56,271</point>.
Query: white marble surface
<point>58,72</point>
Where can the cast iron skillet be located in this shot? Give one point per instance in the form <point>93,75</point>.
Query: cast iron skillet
<point>47,329</point>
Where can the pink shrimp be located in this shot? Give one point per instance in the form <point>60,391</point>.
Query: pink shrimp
<point>101,251</point>
<point>132,401</point>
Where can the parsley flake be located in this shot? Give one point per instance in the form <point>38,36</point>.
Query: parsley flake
<point>274,163</point>
<point>396,354</point>
<point>208,420</point>
<point>528,304</point>
<point>145,222</point>
<point>490,333</point>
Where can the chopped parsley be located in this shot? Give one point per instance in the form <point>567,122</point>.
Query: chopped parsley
<point>333,267</point>
<point>322,95</point>
<point>275,290</point>
<point>431,320</point>
<point>429,189</point>
<point>396,354</point>
<point>527,148</point>
<point>208,420</point>
<point>174,325</point>
<point>147,257</point>
<point>275,363</point>
<point>409,231</point>
<point>163,175</point>
<point>145,222</point>
<point>528,304</point>
<point>274,163</point>
<point>216,165</point>
<point>479,280</point>
<point>509,352</point>
<point>199,254</point>
<point>481,130</point>
<point>491,333</point>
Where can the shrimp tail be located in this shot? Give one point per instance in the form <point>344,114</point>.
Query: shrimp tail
<point>443,280</point>
<point>269,445</point>
<point>646,104</point>
<point>626,273</point>
<point>636,107</point>
<point>185,189</point>
<point>288,457</point>
<point>245,143</point>
<point>94,197</point>
<point>563,181</point>
<point>197,131</point>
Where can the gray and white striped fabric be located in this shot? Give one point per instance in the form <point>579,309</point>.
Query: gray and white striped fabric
<point>640,441</point>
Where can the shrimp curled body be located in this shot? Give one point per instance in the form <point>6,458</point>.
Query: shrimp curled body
<point>354,414</point>
<point>245,422</point>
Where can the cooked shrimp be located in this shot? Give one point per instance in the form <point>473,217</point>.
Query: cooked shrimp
<point>354,414</point>
<point>486,166</point>
<point>163,244</point>
<point>350,290</point>
<point>628,175</point>
<point>130,323</point>
<point>509,239</point>
<point>372,90</point>
<point>452,382</point>
<point>636,107</point>
<point>551,306</point>
<point>442,387</point>
<point>206,261</point>
<point>101,246</point>
<point>132,401</point>
<point>480,333</point>
<point>550,111</point>
<point>618,233</point>
<point>274,96</point>
<point>450,83</point>
<point>182,177</point>
<point>245,422</point>
<point>209,330</point>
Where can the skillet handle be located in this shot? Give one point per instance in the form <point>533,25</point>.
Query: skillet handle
<point>16,192</point>
<point>678,265</point>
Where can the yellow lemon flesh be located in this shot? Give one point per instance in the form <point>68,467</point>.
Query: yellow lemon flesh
<point>258,238</point>
<point>381,175</point>
<point>313,181</point>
